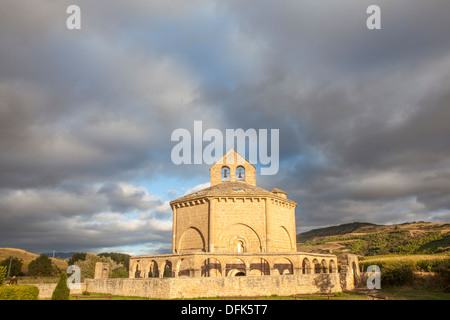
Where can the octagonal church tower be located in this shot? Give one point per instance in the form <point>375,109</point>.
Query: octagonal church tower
<point>233,214</point>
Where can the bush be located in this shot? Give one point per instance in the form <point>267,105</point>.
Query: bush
<point>120,272</point>
<point>41,266</point>
<point>397,273</point>
<point>443,274</point>
<point>22,292</point>
<point>16,266</point>
<point>77,256</point>
<point>433,265</point>
<point>3,271</point>
<point>61,291</point>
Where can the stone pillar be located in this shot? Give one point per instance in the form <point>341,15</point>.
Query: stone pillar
<point>211,236</point>
<point>174,229</point>
<point>268,205</point>
<point>297,270</point>
<point>101,270</point>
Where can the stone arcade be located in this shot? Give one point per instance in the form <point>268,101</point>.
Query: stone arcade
<point>232,238</point>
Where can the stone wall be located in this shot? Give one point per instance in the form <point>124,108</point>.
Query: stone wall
<point>170,288</point>
<point>46,290</point>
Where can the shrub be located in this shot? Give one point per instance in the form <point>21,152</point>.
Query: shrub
<point>61,291</point>
<point>16,266</point>
<point>77,256</point>
<point>443,274</point>
<point>120,272</point>
<point>22,292</point>
<point>41,266</point>
<point>432,265</point>
<point>397,273</point>
<point>3,271</point>
<point>87,266</point>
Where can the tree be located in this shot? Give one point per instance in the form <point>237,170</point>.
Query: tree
<point>87,266</point>
<point>16,266</point>
<point>120,258</point>
<point>3,271</point>
<point>41,266</point>
<point>61,291</point>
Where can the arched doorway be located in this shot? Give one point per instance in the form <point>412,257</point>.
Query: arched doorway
<point>153,271</point>
<point>259,267</point>
<point>324,268</point>
<point>306,266</point>
<point>282,266</point>
<point>332,266</point>
<point>234,267</point>
<point>168,270</point>
<point>317,266</point>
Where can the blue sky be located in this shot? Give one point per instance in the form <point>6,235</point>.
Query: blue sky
<point>86,115</point>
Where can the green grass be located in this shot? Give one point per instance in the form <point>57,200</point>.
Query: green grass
<point>392,293</point>
<point>88,297</point>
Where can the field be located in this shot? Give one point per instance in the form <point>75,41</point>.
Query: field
<point>27,257</point>
<point>424,246</point>
<point>393,293</point>
<point>366,239</point>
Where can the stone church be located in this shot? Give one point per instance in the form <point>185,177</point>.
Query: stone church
<point>232,228</point>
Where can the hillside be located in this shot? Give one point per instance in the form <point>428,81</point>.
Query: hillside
<point>368,239</point>
<point>27,257</point>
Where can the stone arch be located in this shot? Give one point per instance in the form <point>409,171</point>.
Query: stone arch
<point>259,267</point>
<point>136,270</point>
<point>235,266</point>
<point>183,268</point>
<point>285,238</point>
<point>211,267</point>
<point>152,270</point>
<point>332,266</point>
<point>324,266</point>
<point>238,244</point>
<point>191,240</point>
<point>316,265</point>
<point>168,269</point>
<point>282,266</point>
<point>240,232</point>
<point>306,266</point>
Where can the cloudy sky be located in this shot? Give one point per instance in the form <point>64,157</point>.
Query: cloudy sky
<point>86,116</point>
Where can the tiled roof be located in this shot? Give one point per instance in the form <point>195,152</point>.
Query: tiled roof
<point>227,189</point>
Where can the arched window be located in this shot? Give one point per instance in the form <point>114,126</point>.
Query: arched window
<point>240,173</point>
<point>225,173</point>
<point>240,246</point>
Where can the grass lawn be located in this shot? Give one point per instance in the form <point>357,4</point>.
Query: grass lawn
<point>392,293</point>
<point>414,293</point>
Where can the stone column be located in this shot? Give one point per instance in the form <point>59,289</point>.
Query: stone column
<point>211,236</point>
<point>268,206</point>
<point>174,228</point>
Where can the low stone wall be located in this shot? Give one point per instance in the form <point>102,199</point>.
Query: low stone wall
<point>46,289</point>
<point>187,287</point>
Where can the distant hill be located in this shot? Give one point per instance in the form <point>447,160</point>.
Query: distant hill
<point>27,257</point>
<point>331,231</point>
<point>364,238</point>
<point>61,255</point>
